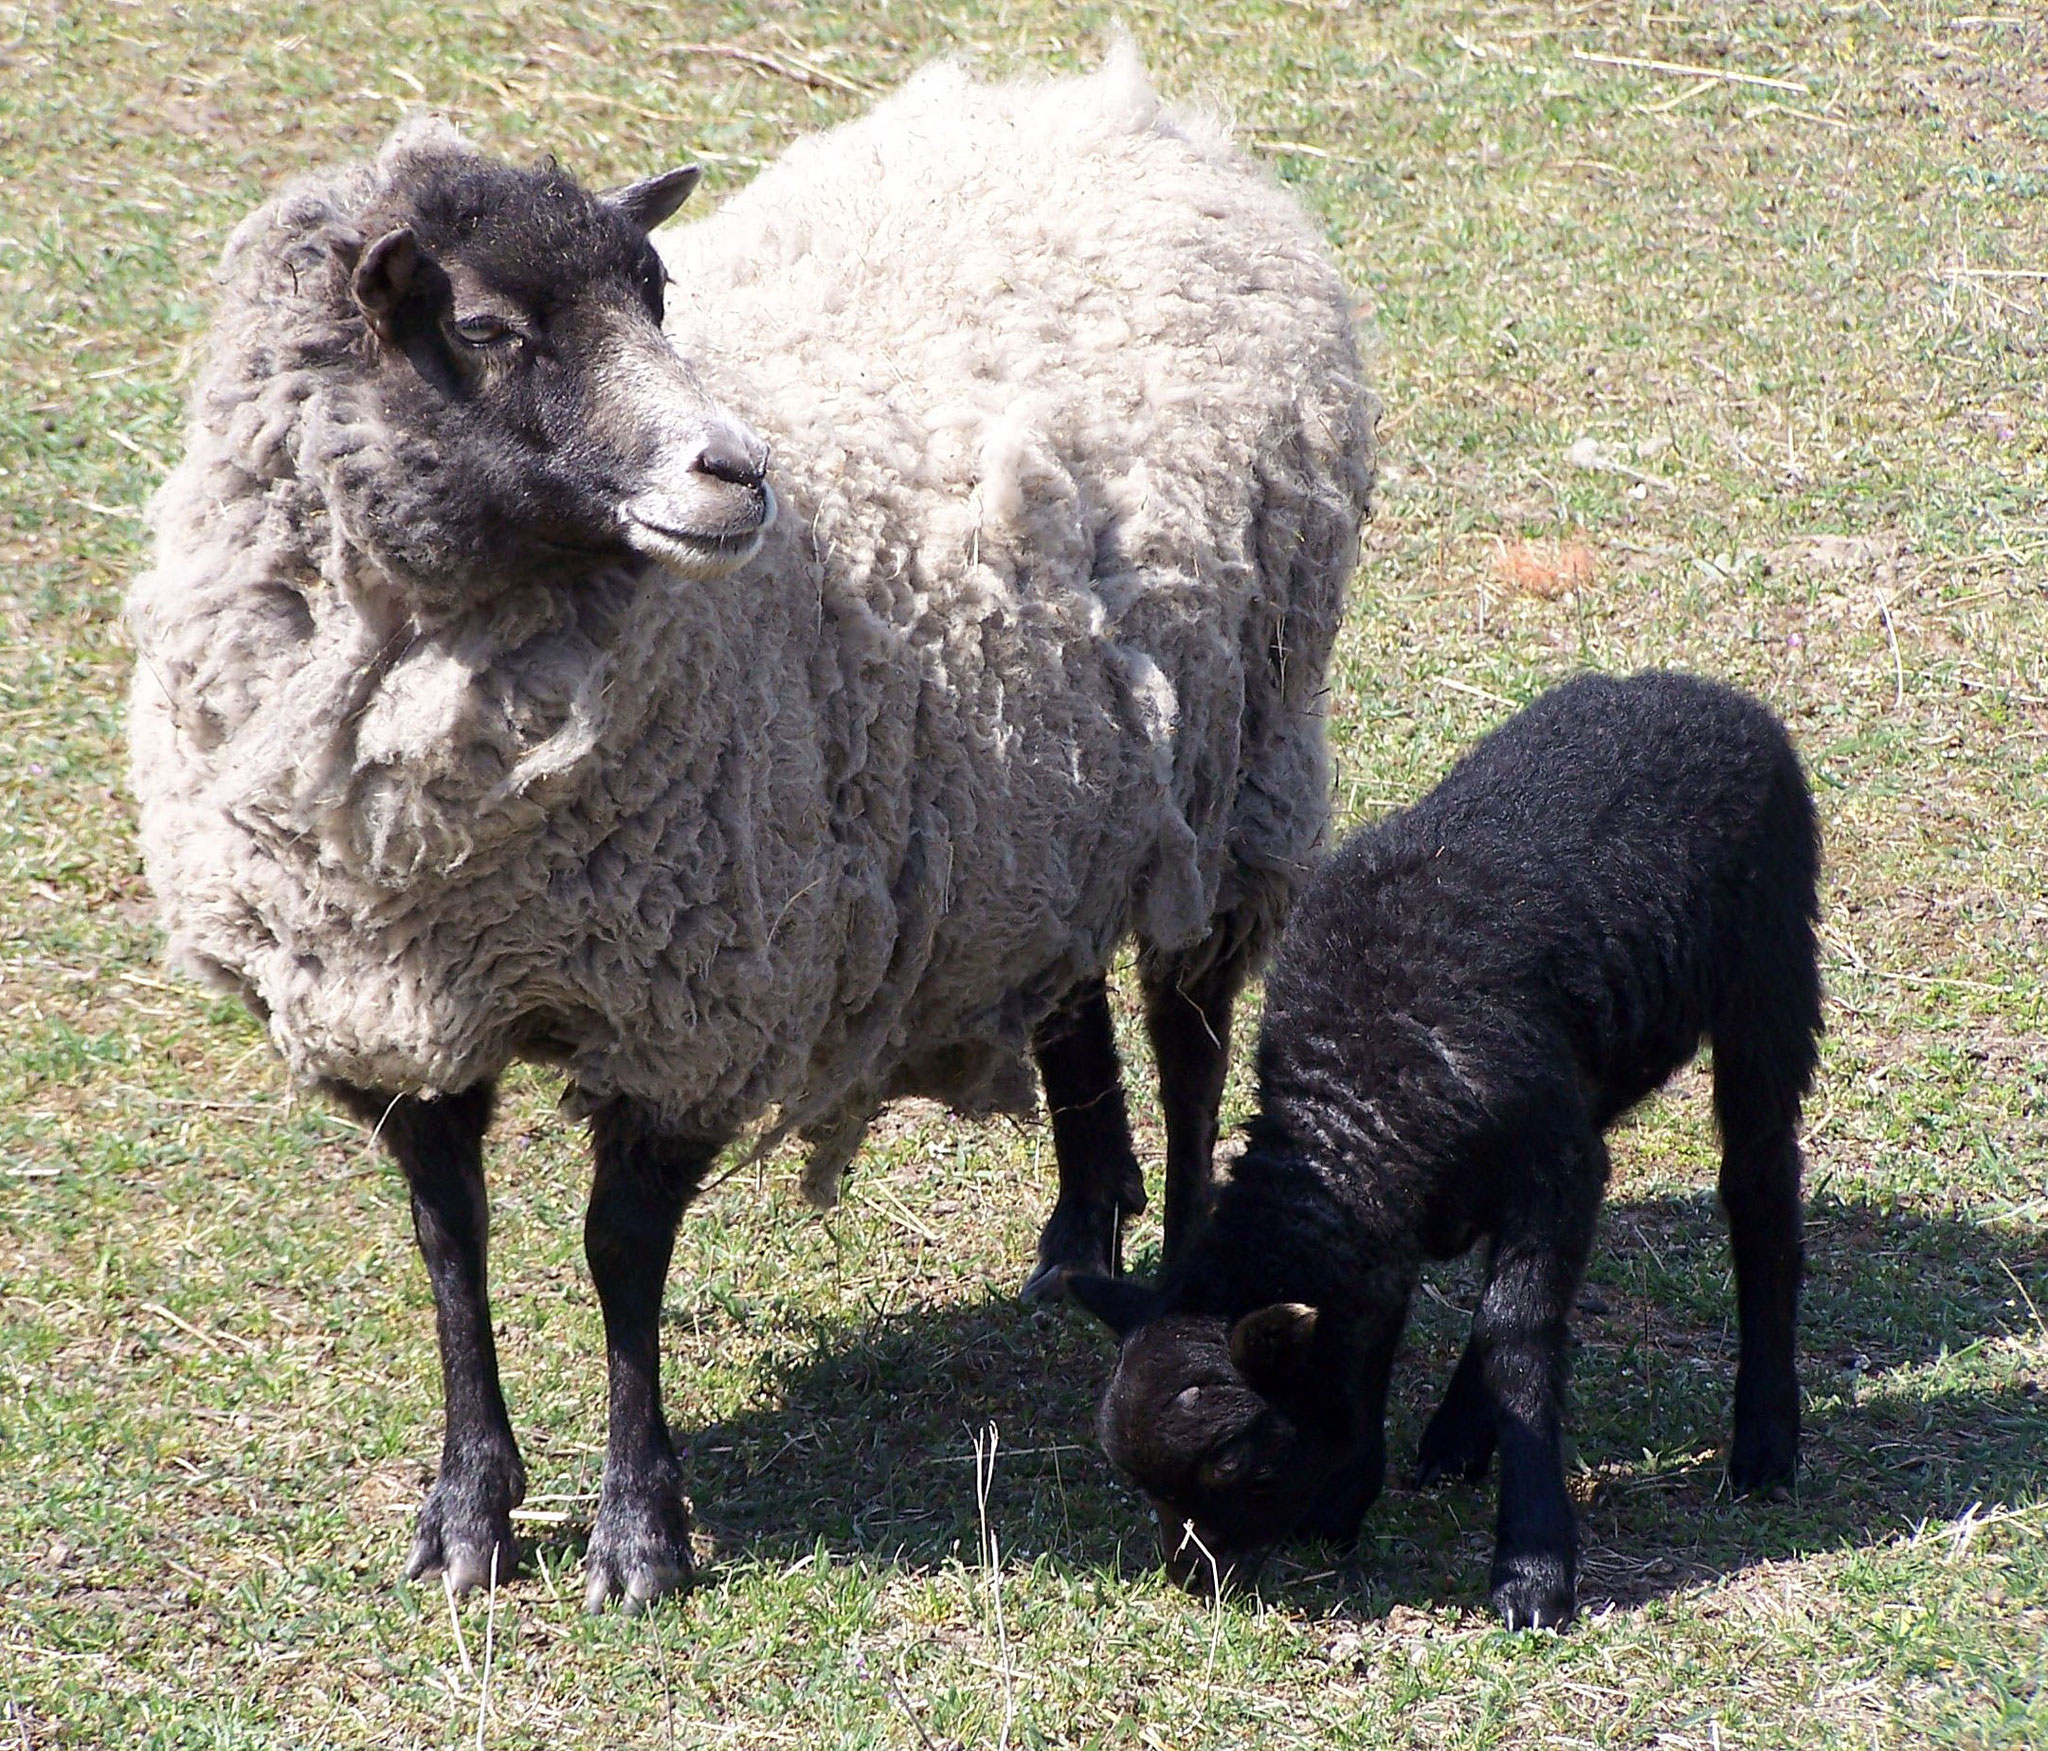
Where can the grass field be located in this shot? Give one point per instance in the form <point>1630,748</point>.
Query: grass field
<point>1744,370</point>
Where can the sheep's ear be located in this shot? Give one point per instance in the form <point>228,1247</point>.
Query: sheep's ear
<point>1272,1346</point>
<point>384,275</point>
<point>1119,1303</point>
<point>648,203</point>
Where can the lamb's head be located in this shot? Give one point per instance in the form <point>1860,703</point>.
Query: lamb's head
<point>539,418</point>
<point>1234,1429</point>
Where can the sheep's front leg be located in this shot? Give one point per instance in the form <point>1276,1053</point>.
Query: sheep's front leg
<point>467,1516</point>
<point>1340,1507</point>
<point>640,1541</point>
<point>1458,1443</point>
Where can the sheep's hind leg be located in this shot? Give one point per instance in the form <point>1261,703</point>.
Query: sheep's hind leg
<point>1766,1028</point>
<point>640,1540</point>
<point>466,1519</point>
<point>1760,1168</point>
<point>1100,1180</point>
<point>1188,1001</point>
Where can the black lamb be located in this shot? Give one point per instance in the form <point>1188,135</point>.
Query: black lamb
<point>1471,992</point>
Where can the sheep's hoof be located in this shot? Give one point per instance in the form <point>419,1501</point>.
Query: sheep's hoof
<point>1046,1283</point>
<point>1076,1241</point>
<point>1339,1511</point>
<point>1764,1463</point>
<point>463,1527</point>
<point>639,1549</point>
<point>1535,1590</point>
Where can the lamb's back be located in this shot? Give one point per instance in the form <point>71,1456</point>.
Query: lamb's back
<point>1557,906</point>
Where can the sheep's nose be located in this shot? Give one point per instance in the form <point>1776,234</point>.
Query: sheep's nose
<point>732,458</point>
<point>1201,1569</point>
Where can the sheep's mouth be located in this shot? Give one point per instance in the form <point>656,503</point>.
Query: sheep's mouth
<point>705,552</point>
<point>1204,1567</point>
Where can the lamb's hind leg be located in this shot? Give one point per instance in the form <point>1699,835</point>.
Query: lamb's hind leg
<point>1766,1026</point>
<point>1758,1107</point>
<point>466,1518</point>
<point>1188,1003</point>
<point>1100,1181</point>
<point>640,1541</point>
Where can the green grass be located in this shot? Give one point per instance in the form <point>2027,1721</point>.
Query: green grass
<point>1801,338</point>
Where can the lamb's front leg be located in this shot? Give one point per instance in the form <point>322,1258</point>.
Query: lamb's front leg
<point>1340,1507</point>
<point>640,1541</point>
<point>1458,1443</point>
<point>466,1518</point>
<point>1520,1332</point>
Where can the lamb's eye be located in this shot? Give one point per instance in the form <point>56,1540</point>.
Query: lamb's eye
<point>653,282</point>
<point>480,330</point>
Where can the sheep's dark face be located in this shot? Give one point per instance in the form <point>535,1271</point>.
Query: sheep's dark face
<point>1228,1432</point>
<point>515,324</point>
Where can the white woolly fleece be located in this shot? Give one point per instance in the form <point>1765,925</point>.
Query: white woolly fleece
<point>1072,444</point>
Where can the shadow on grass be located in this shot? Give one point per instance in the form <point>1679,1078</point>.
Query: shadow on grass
<point>868,1446</point>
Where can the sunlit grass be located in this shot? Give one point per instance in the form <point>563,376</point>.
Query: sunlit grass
<point>1772,357</point>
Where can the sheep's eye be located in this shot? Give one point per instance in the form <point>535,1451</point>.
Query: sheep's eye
<point>653,282</point>
<point>480,331</point>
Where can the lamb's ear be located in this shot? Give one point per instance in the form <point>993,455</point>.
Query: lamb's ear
<point>1272,1346</point>
<point>648,203</point>
<point>1119,1303</point>
<point>384,275</point>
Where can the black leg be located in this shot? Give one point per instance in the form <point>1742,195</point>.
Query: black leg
<point>1766,1032</point>
<point>1520,1332</point>
<point>1187,1016</point>
<point>1100,1181</point>
<point>1341,1506</point>
<point>1760,1191</point>
<point>640,1541</point>
<point>1459,1441</point>
<point>1339,1509</point>
<point>467,1515</point>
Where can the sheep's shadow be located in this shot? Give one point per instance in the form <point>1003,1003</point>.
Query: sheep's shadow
<point>867,1444</point>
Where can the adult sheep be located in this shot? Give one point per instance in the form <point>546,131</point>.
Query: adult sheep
<point>499,699</point>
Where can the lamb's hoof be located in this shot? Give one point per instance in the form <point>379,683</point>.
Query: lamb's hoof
<point>1076,1241</point>
<point>1457,1449</point>
<point>1534,1591</point>
<point>1765,1465</point>
<point>1339,1510</point>
<point>1336,1527</point>
<point>639,1548</point>
<point>464,1527</point>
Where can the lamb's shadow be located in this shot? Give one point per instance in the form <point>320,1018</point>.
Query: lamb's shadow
<point>868,1443</point>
